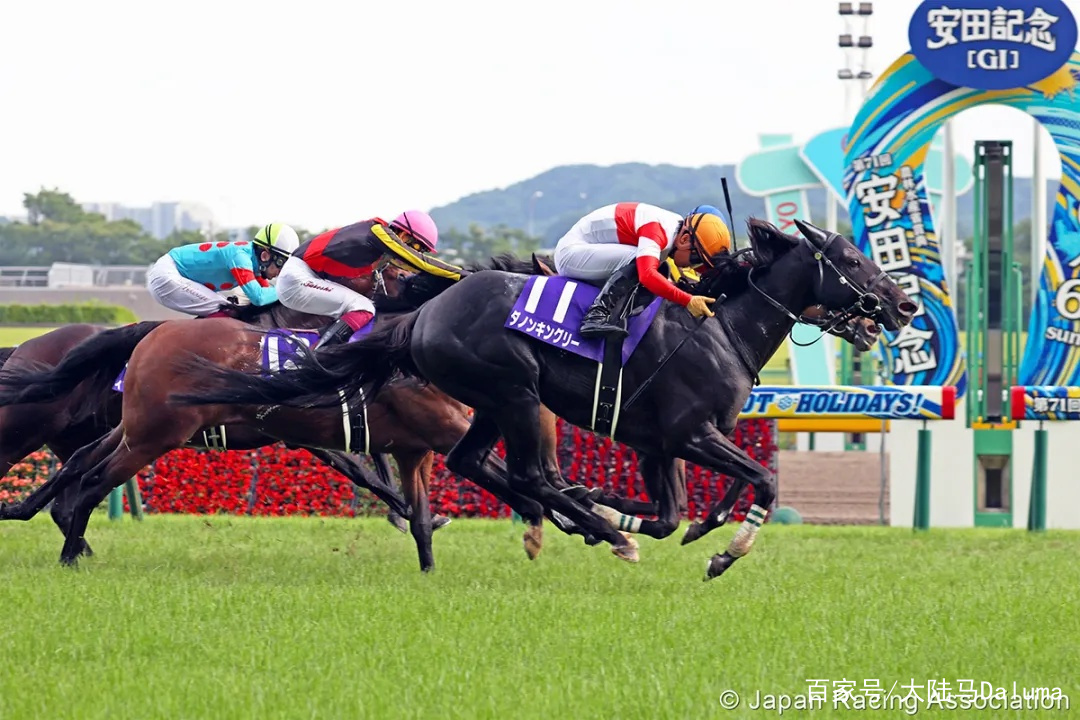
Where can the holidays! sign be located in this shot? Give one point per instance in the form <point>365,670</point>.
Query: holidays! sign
<point>992,44</point>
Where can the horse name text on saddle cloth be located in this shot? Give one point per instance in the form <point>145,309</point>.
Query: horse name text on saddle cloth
<point>550,309</point>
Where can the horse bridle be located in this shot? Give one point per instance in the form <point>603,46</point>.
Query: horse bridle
<point>867,305</point>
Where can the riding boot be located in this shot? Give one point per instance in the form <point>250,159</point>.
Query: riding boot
<point>338,332</point>
<point>607,315</point>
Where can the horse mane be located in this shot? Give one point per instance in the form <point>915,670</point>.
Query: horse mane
<point>506,262</point>
<point>730,272</point>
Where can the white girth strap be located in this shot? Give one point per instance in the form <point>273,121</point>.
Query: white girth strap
<point>347,426</point>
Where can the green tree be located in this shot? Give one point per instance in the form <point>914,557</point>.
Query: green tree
<point>480,243</point>
<point>52,205</point>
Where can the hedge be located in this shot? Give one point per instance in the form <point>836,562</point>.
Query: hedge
<point>277,481</point>
<point>91,311</point>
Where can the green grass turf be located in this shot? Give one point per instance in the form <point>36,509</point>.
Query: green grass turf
<point>218,617</point>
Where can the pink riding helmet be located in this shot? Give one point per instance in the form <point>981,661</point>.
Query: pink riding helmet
<point>420,225</point>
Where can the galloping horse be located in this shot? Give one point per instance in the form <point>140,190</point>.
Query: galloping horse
<point>408,422</point>
<point>52,395</point>
<point>457,341</point>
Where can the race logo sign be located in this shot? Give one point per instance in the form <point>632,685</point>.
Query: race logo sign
<point>995,44</point>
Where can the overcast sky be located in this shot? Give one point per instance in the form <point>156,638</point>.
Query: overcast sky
<point>324,112</point>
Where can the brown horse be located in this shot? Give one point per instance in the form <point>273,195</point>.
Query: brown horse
<point>76,406</point>
<point>409,421</point>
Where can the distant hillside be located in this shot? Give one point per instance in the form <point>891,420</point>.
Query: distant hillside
<point>570,191</point>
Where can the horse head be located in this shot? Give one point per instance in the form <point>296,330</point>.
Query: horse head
<point>844,281</point>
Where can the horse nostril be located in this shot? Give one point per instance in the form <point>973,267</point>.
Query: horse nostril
<point>874,329</point>
<point>908,308</point>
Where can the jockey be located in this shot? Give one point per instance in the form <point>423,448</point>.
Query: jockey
<point>624,244</point>
<point>188,278</point>
<point>332,273</point>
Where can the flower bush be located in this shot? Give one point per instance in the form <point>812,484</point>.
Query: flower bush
<point>277,481</point>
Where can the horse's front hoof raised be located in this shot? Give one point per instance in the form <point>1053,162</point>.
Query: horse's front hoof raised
<point>696,531</point>
<point>628,550</point>
<point>439,521</point>
<point>717,565</point>
<point>397,521</point>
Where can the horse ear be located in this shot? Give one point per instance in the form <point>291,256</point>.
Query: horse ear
<point>814,234</point>
<point>768,241</point>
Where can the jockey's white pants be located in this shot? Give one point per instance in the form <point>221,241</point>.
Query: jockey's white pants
<point>592,262</point>
<point>299,288</point>
<point>176,292</point>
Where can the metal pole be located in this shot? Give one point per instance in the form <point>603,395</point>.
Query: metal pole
<point>948,222</point>
<point>134,498</point>
<point>1037,501</point>
<point>922,480</point>
<point>116,504</point>
<point>830,211</point>
<point>1038,211</point>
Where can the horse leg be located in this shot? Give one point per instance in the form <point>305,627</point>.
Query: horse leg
<point>20,436</point>
<point>427,467</point>
<point>360,477</point>
<point>410,467</point>
<point>660,480</point>
<point>709,448</point>
<point>126,456</point>
<point>519,420</point>
<point>471,458</point>
<point>437,520</point>
<point>61,480</point>
<point>718,514</point>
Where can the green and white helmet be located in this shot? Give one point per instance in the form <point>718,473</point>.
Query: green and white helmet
<point>280,239</point>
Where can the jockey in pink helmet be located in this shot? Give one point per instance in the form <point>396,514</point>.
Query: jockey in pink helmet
<point>332,273</point>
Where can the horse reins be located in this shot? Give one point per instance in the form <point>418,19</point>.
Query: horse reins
<point>867,304</point>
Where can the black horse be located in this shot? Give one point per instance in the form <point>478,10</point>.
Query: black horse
<point>458,342</point>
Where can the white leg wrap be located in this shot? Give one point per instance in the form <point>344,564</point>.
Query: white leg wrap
<point>616,519</point>
<point>744,536</point>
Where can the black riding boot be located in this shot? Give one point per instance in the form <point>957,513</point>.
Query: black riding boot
<point>338,332</point>
<point>607,315</point>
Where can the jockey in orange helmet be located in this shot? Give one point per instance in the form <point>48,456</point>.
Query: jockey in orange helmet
<point>624,244</point>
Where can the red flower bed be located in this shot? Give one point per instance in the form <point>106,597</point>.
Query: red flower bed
<point>277,481</point>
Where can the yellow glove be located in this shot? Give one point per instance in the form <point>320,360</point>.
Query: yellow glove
<point>699,305</point>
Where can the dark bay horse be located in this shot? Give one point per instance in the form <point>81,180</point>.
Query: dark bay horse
<point>457,341</point>
<point>50,398</point>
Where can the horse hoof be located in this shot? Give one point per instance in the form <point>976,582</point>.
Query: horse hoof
<point>576,492</point>
<point>696,531</point>
<point>71,562</point>
<point>533,539</point>
<point>439,521</point>
<point>86,550</point>
<point>628,550</point>
<point>397,521</point>
<point>717,565</point>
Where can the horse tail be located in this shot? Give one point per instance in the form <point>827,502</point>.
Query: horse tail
<point>5,353</point>
<point>97,361</point>
<point>323,379</point>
